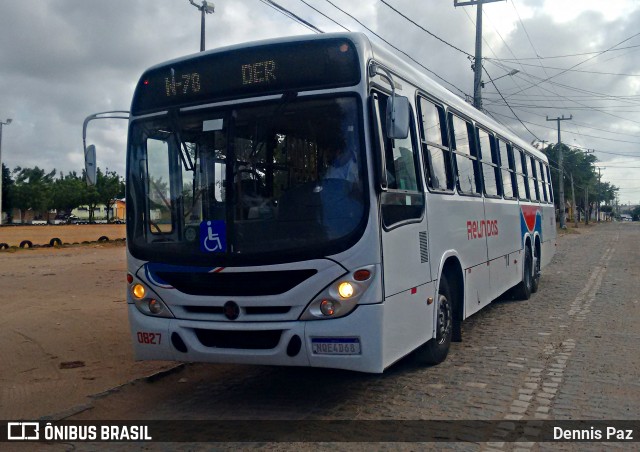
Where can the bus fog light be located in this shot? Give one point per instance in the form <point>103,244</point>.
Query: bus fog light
<point>328,307</point>
<point>155,307</point>
<point>346,290</point>
<point>138,291</point>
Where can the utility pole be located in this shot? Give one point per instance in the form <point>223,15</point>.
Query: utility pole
<point>586,205</point>
<point>205,8</point>
<point>599,188</point>
<point>561,176</point>
<point>575,206</point>
<point>477,63</point>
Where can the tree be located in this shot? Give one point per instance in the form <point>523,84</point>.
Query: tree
<point>67,193</point>
<point>7,184</point>
<point>32,190</point>
<point>90,195</point>
<point>109,187</point>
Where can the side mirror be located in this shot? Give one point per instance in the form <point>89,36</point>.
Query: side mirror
<point>398,117</point>
<point>90,167</point>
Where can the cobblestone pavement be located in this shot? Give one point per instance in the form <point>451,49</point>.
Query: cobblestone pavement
<point>570,352</point>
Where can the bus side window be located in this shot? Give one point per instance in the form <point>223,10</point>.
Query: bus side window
<point>508,176</point>
<point>542,181</point>
<point>523,186</point>
<point>489,160</point>
<point>435,146</point>
<point>404,199</point>
<point>549,186</point>
<point>465,156</point>
<point>533,179</point>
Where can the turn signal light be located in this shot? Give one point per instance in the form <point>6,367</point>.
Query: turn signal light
<point>138,291</point>
<point>361,275</point>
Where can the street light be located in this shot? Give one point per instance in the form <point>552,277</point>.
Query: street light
<point>7,122</point>
<point>205,8</point>
<point>513,72</point>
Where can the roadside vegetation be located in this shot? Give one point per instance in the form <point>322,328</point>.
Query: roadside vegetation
<point>42,191</point>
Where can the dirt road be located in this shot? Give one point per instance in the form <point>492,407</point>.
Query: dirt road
<point>63,329</point>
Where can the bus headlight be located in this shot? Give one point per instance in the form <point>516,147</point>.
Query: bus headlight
<point>147,302</point>
<point>340,297</point>
<point>346,290</point>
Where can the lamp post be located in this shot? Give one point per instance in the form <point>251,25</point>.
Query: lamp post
<point>7,122</point>
<point>513,72</point>
<point>205,8</point>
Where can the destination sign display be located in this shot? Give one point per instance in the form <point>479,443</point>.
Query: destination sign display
<point>244,72</point>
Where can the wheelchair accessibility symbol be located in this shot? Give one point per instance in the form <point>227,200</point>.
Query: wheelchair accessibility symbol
<point>213,236</point>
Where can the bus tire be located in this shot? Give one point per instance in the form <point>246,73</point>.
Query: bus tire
<point>523,290</point>
<point>435,351</point>
<point>535,280</point>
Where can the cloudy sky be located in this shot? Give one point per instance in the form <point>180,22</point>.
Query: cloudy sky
<point>61,60</point>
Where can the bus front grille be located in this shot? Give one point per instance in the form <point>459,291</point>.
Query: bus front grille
<point>249,310</point>
<point>236,284</point>
<point>248,340</point>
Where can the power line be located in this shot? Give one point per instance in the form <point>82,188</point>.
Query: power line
<point>291,15</point>
<point>584,61</point>
<point>569,70</point>
<point>566,56</point>
<point>396,48</point>
<point>505,101</point>
<point>589,136</point>
<point>324,15</point>
<point>425,30</point>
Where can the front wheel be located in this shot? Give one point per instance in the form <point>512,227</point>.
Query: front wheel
<point>435,351</point>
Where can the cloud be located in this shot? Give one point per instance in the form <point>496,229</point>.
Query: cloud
<point>64,60</point>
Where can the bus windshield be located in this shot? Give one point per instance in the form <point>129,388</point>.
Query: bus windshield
<point>283,177</point>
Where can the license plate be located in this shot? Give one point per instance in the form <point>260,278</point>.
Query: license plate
<point>335,346</point>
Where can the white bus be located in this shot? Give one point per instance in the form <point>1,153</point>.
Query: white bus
<point>319,201</point>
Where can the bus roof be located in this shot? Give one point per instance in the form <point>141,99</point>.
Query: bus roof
<point>399,65</point>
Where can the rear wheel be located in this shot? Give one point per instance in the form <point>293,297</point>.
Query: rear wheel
<point>535,280</point>
<point>524,289</point>
<point>435,351</point>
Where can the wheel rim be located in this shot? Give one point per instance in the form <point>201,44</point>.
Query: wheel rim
<point>444,319</point>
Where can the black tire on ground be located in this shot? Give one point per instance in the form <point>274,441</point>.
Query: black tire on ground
<point>4,246</point>
<point>535,281</point>
<point>26,244</point>
<point>103,238</point>
<point>435,351</point>
<point>523,290</point>
<point>55,242</point>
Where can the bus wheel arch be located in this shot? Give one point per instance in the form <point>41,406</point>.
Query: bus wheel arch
<point>436,349</point>
<point>524,289</point>
<point>452,273</point>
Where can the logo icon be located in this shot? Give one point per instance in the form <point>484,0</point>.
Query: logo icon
<point>213,236</point>
<point>231,310</point>
<point>23,431</point>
